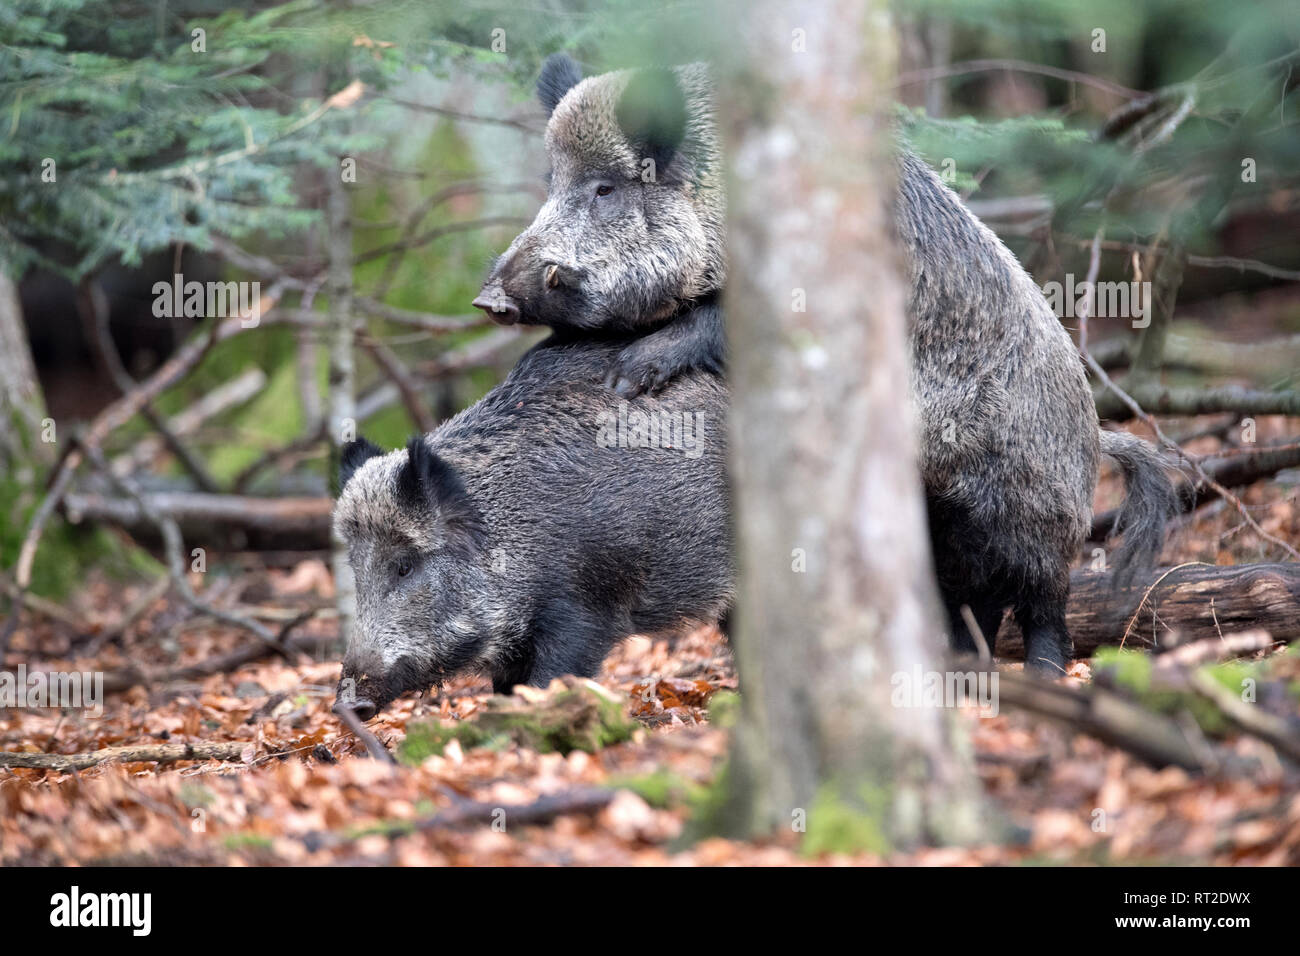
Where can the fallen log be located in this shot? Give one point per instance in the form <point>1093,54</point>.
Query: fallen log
<point>1197,600</point>
<point>227,522</point>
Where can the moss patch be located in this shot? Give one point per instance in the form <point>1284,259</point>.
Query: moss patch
<point>575,719</point>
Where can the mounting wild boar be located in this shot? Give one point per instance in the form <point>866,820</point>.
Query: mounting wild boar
<point>631,238</point>
<point>529,534</point>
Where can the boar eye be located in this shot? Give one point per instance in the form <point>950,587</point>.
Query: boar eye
<point>403,567</point>
<point>604,189</point>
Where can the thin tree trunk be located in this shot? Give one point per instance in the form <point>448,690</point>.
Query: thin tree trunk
<point>22,406</point>
<point>341,388</point>
<point>836,584</point>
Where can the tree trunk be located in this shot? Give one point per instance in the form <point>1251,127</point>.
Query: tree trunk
<point>22,406</point>
<point>341,386</point>
<point>836,590</point>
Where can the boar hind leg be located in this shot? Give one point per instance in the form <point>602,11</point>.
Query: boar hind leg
<point>1040,612</point>
<point>690,340</point>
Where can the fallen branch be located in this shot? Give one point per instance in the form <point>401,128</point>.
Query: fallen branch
<point>1212,650</point>
<point>174,548</point>
<point>40,605</point>
<point>1260,360</point>
<point>1167,400</point>
<point>136,610</point>
<point>93,306</point>
<point>111,418</point>
<point>1251,719</point>
<point>184,423</point>
<point>1107,716</point>
<point>400,376</point>
<point>1094,264</point>
<point>582,800</point>
<point>153,753</point>
<point>287,523</point>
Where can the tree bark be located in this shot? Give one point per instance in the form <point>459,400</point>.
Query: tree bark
<point>836,591</point>
<point>22,406</point>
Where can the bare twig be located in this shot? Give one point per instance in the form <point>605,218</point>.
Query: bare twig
<point>186,422</point>
<point>1094,264</point>
<point>518,124</point>
<point>1015,66</point>
<point>117,681</point>
<point>437,232</point>
<point>1103,714</point>
<point>40,605</point>
<point>176,562</point>
<point>95,312</point>
<point>400,376</point>
<point>1226,646</point>
<point>1234,469</point>
<point>354,723</point>
<point>133,613</point>
<point>111,418</point>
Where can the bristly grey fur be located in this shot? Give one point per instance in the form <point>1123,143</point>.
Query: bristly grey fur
<point>519,541</point>
<point>1009,437</point>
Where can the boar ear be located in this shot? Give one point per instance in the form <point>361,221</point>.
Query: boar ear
<point>425,481</point>
<point>559,75</point>
<point>652,114</point>
<point>355,454</point>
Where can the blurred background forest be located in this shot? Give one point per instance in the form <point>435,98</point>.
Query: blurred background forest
<point>363,163</point>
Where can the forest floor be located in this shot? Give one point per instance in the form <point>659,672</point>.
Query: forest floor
<point>304,791</point>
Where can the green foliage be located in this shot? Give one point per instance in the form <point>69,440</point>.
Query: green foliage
<point>123,139</point>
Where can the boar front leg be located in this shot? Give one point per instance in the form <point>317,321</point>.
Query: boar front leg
<point>563,637</point>
<point>692,339</point>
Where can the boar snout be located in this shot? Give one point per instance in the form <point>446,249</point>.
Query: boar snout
<point>500,308</point>
<point>363,708</point>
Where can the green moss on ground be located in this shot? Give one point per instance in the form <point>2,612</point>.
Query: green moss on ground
<point>576,719</point>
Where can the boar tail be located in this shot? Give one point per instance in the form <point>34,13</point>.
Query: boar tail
<point>1150,501</point>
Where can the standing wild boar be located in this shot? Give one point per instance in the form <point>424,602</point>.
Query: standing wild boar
<point>530,533</point>
<point>631,238</point>
<point>632,235</point>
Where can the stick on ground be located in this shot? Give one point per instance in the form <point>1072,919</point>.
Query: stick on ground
<point>156,753</point>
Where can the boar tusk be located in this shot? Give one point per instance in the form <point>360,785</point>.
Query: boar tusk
<point>552,276</point>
